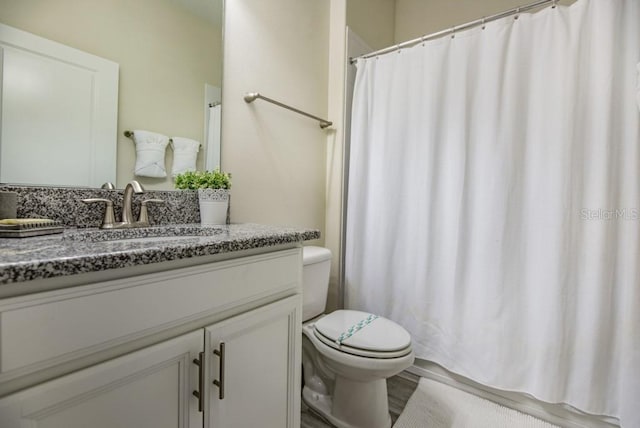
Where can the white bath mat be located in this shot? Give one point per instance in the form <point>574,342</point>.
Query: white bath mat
<point>435,405</point>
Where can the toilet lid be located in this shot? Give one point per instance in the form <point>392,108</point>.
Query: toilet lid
<point>364,334</point>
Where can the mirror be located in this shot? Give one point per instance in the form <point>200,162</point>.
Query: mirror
<point>169,54</point>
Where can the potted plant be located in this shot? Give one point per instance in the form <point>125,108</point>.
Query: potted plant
<point>213,193</point>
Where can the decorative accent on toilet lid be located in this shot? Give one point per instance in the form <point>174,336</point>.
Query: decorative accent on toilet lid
<point>362,330</point>
<point>355,328</point>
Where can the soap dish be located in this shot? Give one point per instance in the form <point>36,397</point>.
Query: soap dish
<point>23,228</point>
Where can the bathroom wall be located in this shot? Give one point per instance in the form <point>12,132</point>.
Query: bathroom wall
<point>279,48</point>
<point>373,21</point>
<point>335,147</point>
<point>414,18</point>
<point>152,40</point>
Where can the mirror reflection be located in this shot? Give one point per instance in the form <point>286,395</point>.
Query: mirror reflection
<point>169,54</point>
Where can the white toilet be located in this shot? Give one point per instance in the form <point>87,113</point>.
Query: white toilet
<point>347,355</point>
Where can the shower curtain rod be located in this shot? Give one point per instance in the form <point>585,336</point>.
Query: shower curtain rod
<point>451,31</point>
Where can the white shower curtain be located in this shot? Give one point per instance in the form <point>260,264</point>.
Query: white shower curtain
<point>494,203</point>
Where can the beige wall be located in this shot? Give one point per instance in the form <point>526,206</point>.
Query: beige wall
<point>373,21</point>
<point>165,54</point>
<point>335,147</point>
<point>415,18</point>
<point>280,49</point>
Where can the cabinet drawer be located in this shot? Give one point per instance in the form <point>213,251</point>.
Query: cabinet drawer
<point>46,329</point>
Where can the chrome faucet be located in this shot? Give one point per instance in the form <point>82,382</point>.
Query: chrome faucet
<point>132,187</point>
<point>127,217</point>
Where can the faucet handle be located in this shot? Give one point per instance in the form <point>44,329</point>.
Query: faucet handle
<point>143,220</point>
<point>109,217</point>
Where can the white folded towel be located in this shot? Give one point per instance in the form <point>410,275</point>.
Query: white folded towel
<point>150,148</point>
<point>185,153</point>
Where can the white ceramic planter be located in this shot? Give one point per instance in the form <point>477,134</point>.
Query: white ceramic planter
<point>214,204</point>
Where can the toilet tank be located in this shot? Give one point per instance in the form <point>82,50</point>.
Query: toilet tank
<point>315,280</point>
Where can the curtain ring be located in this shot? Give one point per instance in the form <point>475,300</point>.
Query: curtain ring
<point>517,14</point>
<point>484,23</point>
<point>398,48</point>
<point>422,40</point>
<point>555,3</point>
<point>453,32</point>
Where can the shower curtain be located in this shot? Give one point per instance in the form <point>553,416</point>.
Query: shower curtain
<point>494,203</point>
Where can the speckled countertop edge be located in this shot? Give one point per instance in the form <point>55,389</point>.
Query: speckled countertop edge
<point>52,256</point>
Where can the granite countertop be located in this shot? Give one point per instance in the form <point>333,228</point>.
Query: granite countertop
<point>90,250</point>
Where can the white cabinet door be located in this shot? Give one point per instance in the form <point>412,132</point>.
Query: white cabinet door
<point>257,364</point>
<point>150,388</point>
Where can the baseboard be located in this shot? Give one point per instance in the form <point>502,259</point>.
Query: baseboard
<point>561,415</point>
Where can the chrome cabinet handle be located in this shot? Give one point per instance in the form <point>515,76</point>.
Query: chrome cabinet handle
<point>216,382</point>
<point>199,394</point>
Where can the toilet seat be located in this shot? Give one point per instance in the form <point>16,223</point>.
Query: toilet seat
<point>378,338</point>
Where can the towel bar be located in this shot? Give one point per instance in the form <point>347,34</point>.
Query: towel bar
<point>252,96</point>
<point>129,134</point>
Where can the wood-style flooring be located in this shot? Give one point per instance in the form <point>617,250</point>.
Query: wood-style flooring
<point>399,390</point>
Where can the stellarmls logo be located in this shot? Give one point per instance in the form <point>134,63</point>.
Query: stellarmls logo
<point>628,214</point>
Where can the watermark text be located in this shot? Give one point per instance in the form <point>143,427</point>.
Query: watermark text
<point>627,214</point>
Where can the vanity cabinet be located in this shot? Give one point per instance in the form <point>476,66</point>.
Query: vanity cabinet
<point>132,352</point>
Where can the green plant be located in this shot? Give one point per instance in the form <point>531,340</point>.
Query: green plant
<point>203,180</point>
